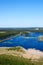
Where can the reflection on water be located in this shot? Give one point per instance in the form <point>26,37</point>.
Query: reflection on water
<point>27,42</point>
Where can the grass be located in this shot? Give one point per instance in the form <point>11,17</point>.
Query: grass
<point>14,60</point>
<point>17,48</point>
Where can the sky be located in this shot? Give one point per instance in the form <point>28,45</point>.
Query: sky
<point>21,13</point>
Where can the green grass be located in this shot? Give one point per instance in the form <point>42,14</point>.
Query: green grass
<point>14,60</point>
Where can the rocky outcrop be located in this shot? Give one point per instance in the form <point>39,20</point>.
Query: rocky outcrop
<point>20,51</point>
<point>40,38</point>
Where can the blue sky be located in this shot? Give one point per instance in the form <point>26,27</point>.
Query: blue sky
<point>21,13</point>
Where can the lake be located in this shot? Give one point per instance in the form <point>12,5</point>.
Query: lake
<point>27,42</point>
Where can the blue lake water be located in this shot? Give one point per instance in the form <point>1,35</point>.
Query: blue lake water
<point>27,42</point>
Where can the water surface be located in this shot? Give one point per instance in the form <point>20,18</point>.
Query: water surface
<point>27,42</point>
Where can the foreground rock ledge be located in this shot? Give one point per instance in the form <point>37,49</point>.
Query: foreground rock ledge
<point>19,51</point>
